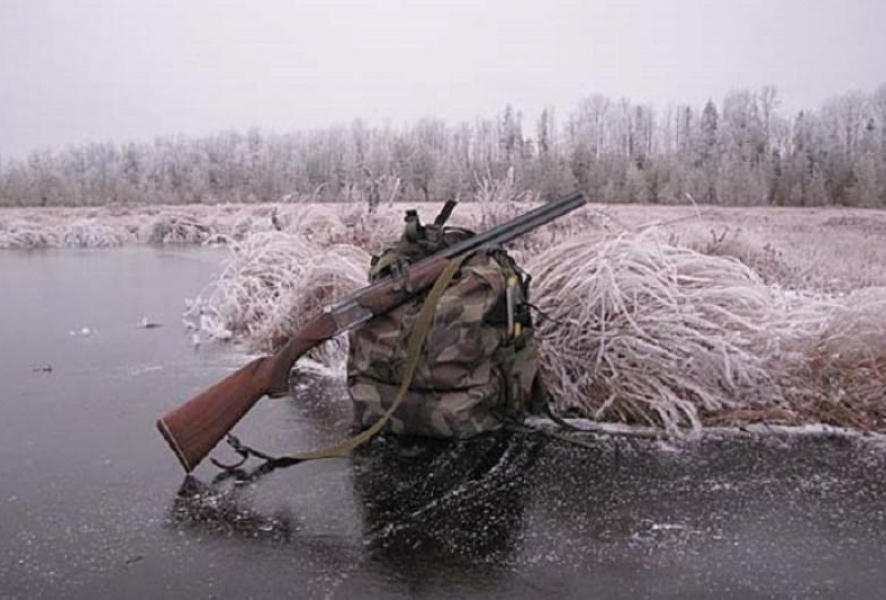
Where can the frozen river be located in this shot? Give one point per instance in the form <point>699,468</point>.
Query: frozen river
<point>93,504</point>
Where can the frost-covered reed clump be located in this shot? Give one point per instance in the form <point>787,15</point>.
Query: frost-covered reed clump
<point>836,371</point>
<point>177,229</point>
<point>643,331</point>
<point>372,230</point>
<point>272,284</point>
<point>90,233</point>
<point>54,233</point>
<point>500,200</point>
<point>24,235</point>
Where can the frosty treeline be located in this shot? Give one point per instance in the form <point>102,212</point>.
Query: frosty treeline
<point>742,151</point>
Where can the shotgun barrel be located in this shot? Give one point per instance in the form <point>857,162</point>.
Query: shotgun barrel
<point>193,429</point>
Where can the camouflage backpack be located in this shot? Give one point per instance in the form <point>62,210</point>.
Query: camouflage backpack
<point>478,368</point>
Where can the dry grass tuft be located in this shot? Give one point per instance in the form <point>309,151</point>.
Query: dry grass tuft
<point>644,331</point>
<point>841,376</point>
<point>25,235</point>
<point>90,233</point>
<point>372,231</point>
<point>766,260</point>
<point>177,229</point>
<point>500,200</point>
<point>647,332</point>
<point>273,283</point>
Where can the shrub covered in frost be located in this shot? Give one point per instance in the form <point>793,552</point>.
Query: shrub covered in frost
<point>91,233</point>
<point>643,331</point>
<point>274,282</point>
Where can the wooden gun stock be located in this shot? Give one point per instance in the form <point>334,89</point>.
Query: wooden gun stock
<point>193,429</point>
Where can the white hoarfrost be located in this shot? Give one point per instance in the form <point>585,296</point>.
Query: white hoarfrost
<point>740,316</point>
<point>644,331</point>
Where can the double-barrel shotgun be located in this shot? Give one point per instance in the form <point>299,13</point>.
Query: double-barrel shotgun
<point>193,429</point>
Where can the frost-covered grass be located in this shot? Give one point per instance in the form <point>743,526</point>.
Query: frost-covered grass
<point>271,284</point>
<point>673,317</point>
<point>91,233</point>
<point>833,250</point>
<point>324,224</point>
<point>645,331</point>
<point>20,234</point>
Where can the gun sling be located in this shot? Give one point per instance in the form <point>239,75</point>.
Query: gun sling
<point>417,337</point>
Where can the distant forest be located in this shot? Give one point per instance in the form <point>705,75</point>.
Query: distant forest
<point>742,151</point>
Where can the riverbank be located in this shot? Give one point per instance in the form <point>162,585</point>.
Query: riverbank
<point>670,317</point>
<point>826,248</point>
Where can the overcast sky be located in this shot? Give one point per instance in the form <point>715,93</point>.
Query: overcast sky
<point>74,70</point>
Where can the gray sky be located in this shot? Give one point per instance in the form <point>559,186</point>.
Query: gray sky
<point>76,70</point>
